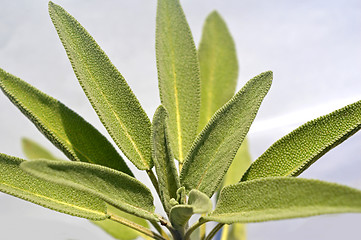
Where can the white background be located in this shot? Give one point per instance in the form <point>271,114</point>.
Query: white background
<point>313,48</point>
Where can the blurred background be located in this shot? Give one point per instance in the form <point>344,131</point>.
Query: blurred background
<point>313,48</point>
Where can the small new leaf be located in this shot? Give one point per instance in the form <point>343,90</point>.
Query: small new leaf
<point>163,159</point>
<point>114,187</point>
<point>283,197</point>
<point>63,199</point>
<point>295,152</point>
<point>111,97</point>
<point>215,147</point>
<point>178,73</point>
<point>63,127</point>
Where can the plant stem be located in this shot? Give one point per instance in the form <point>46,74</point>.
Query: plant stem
<point>180,166</point>
<point>202,231</point>
<point>225,232</point>
<point>154,180</point>
<point>192,228</point>
<point>214,231</point>
<point>159,229</point>
<point>136,227</point>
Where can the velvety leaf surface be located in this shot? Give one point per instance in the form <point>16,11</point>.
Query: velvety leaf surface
<point>295,152</point>
<point>198,202</point>
<point>114,187</point>
<point>64,128</point>
<point>63,199</point>
<point>33,150</point>
<point>111,97</point>
<point>117,230</point>
<point>178,73</point>
<point>163,159</point>
<point>215,147</point>
<point>280,198</point>
<point>218,66</point>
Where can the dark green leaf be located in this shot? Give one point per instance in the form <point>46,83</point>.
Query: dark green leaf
<point>178,73</point>
<point>163,159</point>
<point>63,127</point>
<point>114,187</point>
<point>111,97</point>
<point>216,146</point>
<point>298,150</point>
<point>281,198</point>
<point>63,199</point>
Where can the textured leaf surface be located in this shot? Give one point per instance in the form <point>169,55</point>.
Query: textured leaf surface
<point>198,202</point>
<point>33,150</point>
<point>218,67</point>
<point>280,198</point>
<point>63,127</point>
<point>178,73</point>
<point>295,152</point>
<point>111,97</point>
<point>117,230</point>
<point>217,144</point>
<point>114,187</point>
<point>67,200</point>
<point>163,159</point>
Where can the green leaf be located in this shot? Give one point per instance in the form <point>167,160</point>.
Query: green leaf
<point>163,159</point>
<point>215,147</point>
<point>117,230</point>
<point>114,187</point>
<point>198,202</point>
<point>218,66</point>
<point>178,73</point>
<point>111,97</point>
<point>67,200</point>
<point>64,128</point>
<point>281,198</point>
<point>295,152</point>
<point>236,231</point>
<point>34,151</point>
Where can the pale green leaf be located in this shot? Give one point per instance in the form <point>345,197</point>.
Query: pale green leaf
<point>114,187</point>
<point>163,159</point>
<point>236,231</point>
<point>198,202</point>
<point>178,73</point>
<point>64,128</point>
<point>295,152</point>
<point>63,199</point>
<point>117,230</point>
<point>33,150</point>
<point>216,146</point>
<point>218,67</point>
<point>281,198</point>
<point>111,97</point>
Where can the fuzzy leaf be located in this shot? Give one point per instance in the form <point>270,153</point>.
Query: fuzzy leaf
<point>178,73</point>
<point>64,128</point>
<point>218,65</point>
<point>67,200</point>
<point>198,202</point>
<point>117,230</point>
<point>114,187</point>
<point>111,97</point>
<point>34,151</point>
<point>281,198</point>
<point>215,147</point>
<point>163,159</point>
<point>295,152</point>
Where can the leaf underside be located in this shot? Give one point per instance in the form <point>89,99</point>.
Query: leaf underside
<point>281,198</point>
<point>216,146</point>
<point>63,127</point>
<point>111,97</point>
<point>295,152</point>
<point>60,198</point>
<point>178,73</point>
<point>114,187</point>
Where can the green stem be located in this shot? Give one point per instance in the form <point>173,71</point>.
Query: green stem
<point>225,232</point>
<point>214,231</point>
<point>136,227</point>
<point>192,228</point>
<point>202,231</point>
<point>159,229</point>
<point>154,180</point>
